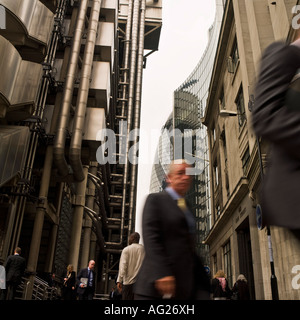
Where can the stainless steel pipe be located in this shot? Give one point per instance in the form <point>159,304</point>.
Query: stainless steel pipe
<point>81,104</point>
<point>61,133</point>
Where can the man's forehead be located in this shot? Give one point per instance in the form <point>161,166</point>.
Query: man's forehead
<point>179,167</point>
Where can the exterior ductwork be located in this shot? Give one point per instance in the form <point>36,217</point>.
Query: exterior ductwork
<point>78,126</point>
<point>77,68</point>
<point>61,134</point>
<point>134,48</point>
<point>137,113</point>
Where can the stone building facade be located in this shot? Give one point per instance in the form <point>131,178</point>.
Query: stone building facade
<point>236,243</point>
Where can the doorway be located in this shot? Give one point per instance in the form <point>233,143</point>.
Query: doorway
<point>245,255</point>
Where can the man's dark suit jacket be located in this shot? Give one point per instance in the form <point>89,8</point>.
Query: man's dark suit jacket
<point>83,273</point>
<point>14,267</point>
<point>277,122</point>
<point>169,249</point>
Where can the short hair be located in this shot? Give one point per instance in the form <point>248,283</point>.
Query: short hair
<point>18,250</point>
<point>176,162</point>
<point>134,238</point>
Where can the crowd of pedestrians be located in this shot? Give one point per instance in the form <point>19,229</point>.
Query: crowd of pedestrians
<point>166,266</point>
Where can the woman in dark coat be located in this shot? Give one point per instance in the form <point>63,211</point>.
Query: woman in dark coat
<point>219,287</point>
<point>241,289</point>
<point>69,292</point>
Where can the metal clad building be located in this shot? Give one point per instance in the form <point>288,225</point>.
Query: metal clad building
<point>73,68</point>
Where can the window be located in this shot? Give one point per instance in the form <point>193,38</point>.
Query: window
<point>227,185</point>
<point>234,58</point>
<point>240,105</point>
<point>245,160</point>
<point>215,266</point>
<point>227,262</point>
<point>218,211</point>
<point>222,100</point>
<point>235,54</point>
<point>213,135</point>
<point>216,174</point>
<point>223,139</point>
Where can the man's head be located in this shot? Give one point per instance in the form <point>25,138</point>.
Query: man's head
<point>18,250</point>
<point>91,264</point>
<point>134,238</point>
<point>178,178</point>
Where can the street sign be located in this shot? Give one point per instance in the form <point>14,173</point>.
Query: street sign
<point>259,218</point>
<point>207,270</point>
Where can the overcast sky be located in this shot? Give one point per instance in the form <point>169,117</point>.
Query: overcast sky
<point>183,40</point>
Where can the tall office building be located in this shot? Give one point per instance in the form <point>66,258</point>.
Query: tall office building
<point>184,136</point>
<point>73,72</point>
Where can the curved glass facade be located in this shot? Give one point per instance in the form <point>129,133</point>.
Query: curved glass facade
<point>184,136</point>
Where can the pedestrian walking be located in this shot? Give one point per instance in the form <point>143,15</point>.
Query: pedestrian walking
<point>69,284</point>
<point>276,118</point>
<point>130,262</point>
<point>86,282</point>
<point>171,267</point>
<point>219,287</point>
<point>14,268</point>
<point>115,294</point>
<point>2,278</point>
<point>240,290</point>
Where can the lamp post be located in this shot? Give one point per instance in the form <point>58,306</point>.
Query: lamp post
<point>274,286</point>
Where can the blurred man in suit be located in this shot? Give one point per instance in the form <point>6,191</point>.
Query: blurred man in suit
<point>171,268</point>
<point>276,118</point>
<point>86,282</point>
<point>14,268</point>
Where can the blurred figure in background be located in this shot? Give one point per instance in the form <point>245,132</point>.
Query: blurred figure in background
<point>276,118</point>
<point>240,289</point>
<point>130,262</point>
<point>69,284</point>
<point>219,287</point>
<point>15,267</point>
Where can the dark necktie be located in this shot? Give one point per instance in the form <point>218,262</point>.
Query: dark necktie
<point>89,278</point>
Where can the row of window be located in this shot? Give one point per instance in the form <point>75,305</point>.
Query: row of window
<point>232,65</point>
<point>227,268</point>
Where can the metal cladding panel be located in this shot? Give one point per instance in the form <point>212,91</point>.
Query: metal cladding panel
<point>153,10</point>
<point>109,9</point>
<point>20,85</point>
<point>13,148</point>
<point>35,17</point>
<point>28,27</point>
<point>105,42</point>
<point>41,23</point>
<point>100,84</point>
<point>9,65</point>
<point>94,121</point>
<point>153,22</point>
<point>27,83</point>
<point>50,4</point>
